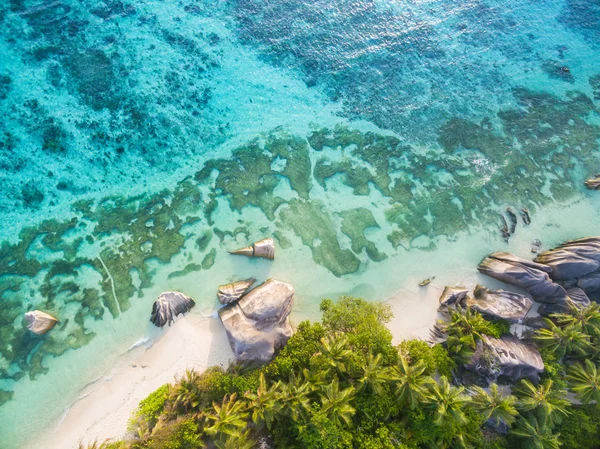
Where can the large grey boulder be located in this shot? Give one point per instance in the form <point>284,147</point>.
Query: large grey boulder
<point>523,273</point>
<point>258,324</point>
<point>576,296</point>
<point>40,322</point>
<point>506,356</point>
<point>589,283</point>
<point>510,306</point>
<point>573,259</point>
<point>168,306</point>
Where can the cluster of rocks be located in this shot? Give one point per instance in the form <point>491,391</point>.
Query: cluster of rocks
<point>568,274</point>
<point>256,321</point>
<point>508,228</point>
<point>509,306</point>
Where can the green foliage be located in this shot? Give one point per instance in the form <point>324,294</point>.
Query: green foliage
<point>570,340</point>
<point>495,407</point>
<point>547,403</point>
<point>297,352</point>
<point>435,358</point>
<point>112,445</point>
<point>465,328</point>
<point>581,429</point>
<point>342,385</point>
<point>553,368</point>
<point>179,434</point>
<point>363,323</point>
<point>584,381</point>
<point>152,406</point>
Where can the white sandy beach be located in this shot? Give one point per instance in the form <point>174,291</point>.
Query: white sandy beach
<point>104,407</point>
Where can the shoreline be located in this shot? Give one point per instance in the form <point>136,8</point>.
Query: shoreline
<point>103,408</point>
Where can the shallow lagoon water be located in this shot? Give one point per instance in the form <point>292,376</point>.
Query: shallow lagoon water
<point>378,141</point>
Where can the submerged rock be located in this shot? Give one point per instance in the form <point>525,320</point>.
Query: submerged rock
<point>525,216</point>
<point>593,183</point>
<point>528,275</point>
<point>513,219</point>
<point>510,306</point>
<point>264,248</point>
<point>258,324</point>
<point>453,295</point>
<point>506,356</point>
<point>40,322</point>
<point>229,293</point>
<point>168,306</point>
<point>504,229</point>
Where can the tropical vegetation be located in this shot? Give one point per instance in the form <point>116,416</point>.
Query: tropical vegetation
<point>341,383</point>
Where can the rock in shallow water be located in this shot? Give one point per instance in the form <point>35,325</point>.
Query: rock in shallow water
<point>510,306</point>
<point>258,324</point>
<point>229,293</point>
<point>593,183</point>
<point>264,248</point>
<point>40,322</point>
<point>506,356</point>
<point>168,306</point>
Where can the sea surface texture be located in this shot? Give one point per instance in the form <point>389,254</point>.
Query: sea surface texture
<point>139,140</point>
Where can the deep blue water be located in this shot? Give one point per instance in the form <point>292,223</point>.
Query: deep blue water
<point>151,135</point>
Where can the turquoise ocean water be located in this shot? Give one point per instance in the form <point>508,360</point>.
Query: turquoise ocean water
<point>377,141</point>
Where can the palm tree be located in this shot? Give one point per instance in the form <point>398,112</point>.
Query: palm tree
<point>495,407</point>
<point>315,376</point>
<point>410,382</point>
<point>547,404</point>
<point>534,434</point>
<point>236,440</point>
<point>264,403</point>
<point>447,403</point>
<point>295,398</point>
<point>185,392</point>
<point>464,329</point>
<point>226,419</point>
<point>373,375</point>
<point>335,352</point>
<point>465,323</point>
<point>588,318</point>
<point>563,341</point>
<point>584,381</point>
<point>335,403</point>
